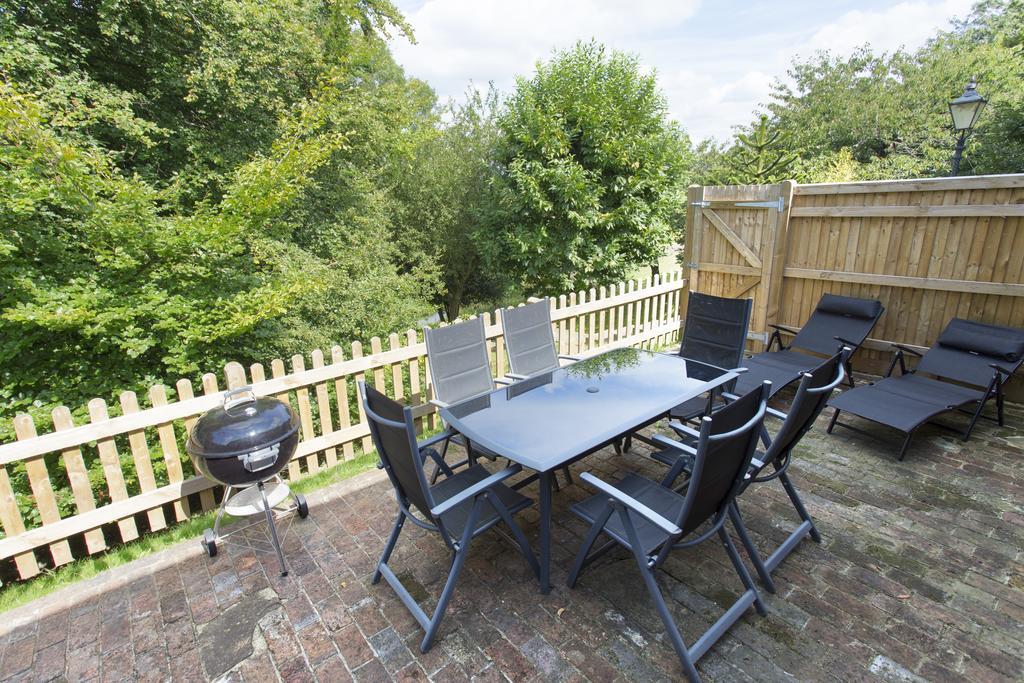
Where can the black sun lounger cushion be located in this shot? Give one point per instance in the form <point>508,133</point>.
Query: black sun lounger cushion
<point>982,339</point>
<point>779,367</point>
<point>846,317</point>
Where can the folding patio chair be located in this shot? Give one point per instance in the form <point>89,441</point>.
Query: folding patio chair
<point>650,520</point>
<point>529,340</point>
<point>969,353</point>
<point>836,322</point>
<point>459,508</point>
<point>715,332</point>
<point>812,393</point>
<point>459,369</point>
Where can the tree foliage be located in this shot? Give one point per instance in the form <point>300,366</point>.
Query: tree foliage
<point>589,173</point>
<point>188,183</point>
<point>875,115</point>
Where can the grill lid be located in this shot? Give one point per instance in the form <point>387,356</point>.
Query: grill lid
<point>243,424</point>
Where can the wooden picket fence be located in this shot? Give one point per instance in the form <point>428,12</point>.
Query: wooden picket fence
<point>110,511</point>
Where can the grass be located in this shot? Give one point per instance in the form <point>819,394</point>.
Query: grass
<point>19,593</point>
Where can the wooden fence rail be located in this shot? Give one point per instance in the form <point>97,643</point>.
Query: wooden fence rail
<point>147,481</point>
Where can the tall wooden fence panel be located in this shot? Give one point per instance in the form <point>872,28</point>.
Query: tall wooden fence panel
<point>930,250</point>
<point>146,480</point>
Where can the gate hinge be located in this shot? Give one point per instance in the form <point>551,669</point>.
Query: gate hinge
<point>702,205</point>
<point>779,204</point>
<point>692,265</point>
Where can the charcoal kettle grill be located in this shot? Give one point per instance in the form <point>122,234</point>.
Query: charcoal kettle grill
<point>244,444</point>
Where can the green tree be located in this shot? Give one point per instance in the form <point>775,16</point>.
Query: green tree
<point>589,173</point>
<point>447,197</point>
<point>760,155</point>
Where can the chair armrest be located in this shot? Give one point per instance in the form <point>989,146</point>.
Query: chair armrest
<point>633,504</point>
<point>777,414</point>
<point>474,490</point>
<point>503,381</point>
<point>572,358</point>
<point>436,438</point>
<point>516,376</point>
<point>437,403</point>
<point>683,429</point>
<point>782,328</point>
<point>907,349</point>
<point>665,441</point>
<point>1001,370</point>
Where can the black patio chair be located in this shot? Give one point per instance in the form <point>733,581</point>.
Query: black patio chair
<point>715,332</point>
<point>968,353</point>
<point>459,508</point>
<point>650,520</point>
<point>812,394</point>
<point>836,322</point>
<point>529,340</point>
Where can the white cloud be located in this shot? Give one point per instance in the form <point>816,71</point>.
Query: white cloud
<point>907,24</point>
<point>715,62</point>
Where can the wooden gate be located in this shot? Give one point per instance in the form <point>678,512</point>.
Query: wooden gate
<point>735,247</point>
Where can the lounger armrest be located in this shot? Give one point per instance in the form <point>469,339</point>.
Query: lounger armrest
<point>1001,370</point>
<point>906,349</point>
<point>633,504</point>
<point>782,328</point>
<point>436,438</point>
<point>845,342</point>
<point>669,443</point>
<point>683,429</point>
<point>572,358</point>
<point>438,403</point>
<point>474,490</point>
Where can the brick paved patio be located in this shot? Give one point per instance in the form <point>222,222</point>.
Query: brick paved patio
<point>920,577</point>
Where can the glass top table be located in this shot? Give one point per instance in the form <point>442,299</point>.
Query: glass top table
<point>549,420</point>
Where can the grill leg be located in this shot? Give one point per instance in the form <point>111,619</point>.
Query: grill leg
<point>220,511</point>
<point>273,529</point>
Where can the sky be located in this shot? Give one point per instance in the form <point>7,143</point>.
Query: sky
<point>715,61</point>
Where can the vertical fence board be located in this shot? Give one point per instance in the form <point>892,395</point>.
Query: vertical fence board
<point>169,446</point>
<point>305,414</point>
<point>112,468</point>
<point>143,460</point>
<point>14,525</point>
<point>344,412</point>
<point>323,409</point>
<point>42,488</point>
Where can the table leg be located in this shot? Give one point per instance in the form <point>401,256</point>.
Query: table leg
<point>545,532</point>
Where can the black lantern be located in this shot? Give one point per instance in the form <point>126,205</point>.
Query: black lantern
<point>965,111</point>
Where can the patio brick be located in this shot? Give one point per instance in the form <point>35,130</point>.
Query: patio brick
<point>920,576</point>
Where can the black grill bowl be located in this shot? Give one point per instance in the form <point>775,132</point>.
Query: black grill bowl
<point>234,444</point>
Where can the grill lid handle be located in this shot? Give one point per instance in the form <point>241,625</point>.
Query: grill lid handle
<point>239,396</point>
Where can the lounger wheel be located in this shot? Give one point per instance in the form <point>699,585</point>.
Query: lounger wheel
<point>210,542</point>
<point>301,506</point>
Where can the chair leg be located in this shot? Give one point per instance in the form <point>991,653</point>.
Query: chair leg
<point>794,497</point>
<point>741,570</point>
<point>849,374</point>
<point>390,546</point>
<point>517,533</point>
<point>588,543</point>
<point>906,444</point>
<point>755,557</point>
<point>832,422</point>
<point>654,590</point>
<point>974,418</point>
<point>568,476</point>
<point>999,404</point>
<point>453,576</point>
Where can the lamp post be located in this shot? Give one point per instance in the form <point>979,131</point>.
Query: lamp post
<point>964,111</point>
